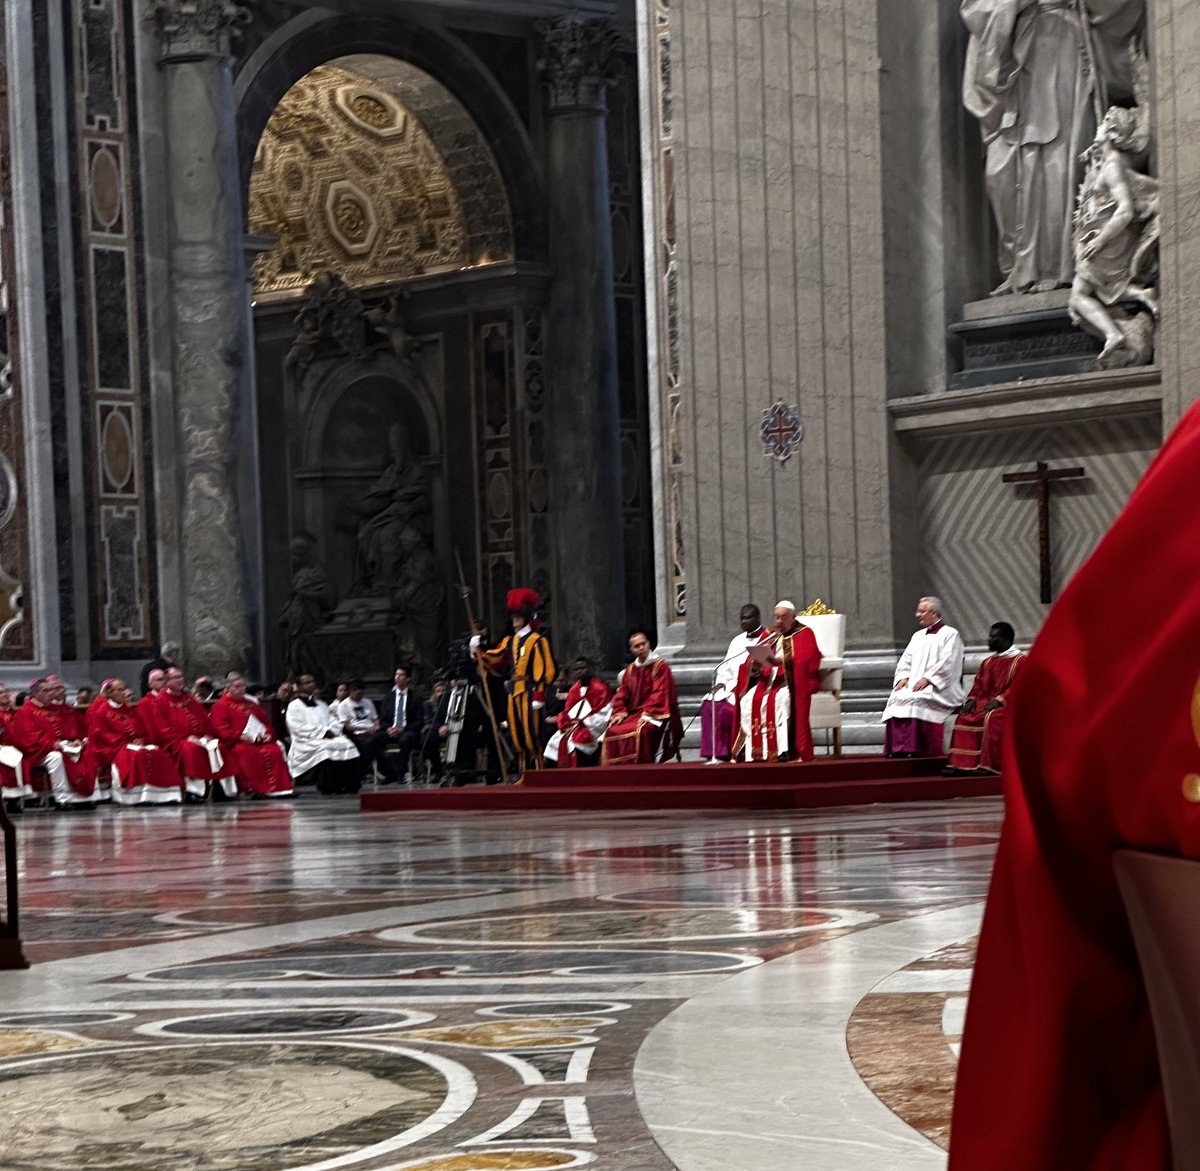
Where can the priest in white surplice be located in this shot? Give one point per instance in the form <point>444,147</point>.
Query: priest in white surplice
<point>320,751</point>
<point>927,687</point>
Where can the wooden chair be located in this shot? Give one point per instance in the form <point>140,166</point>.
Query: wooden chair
<point>1161,899</point>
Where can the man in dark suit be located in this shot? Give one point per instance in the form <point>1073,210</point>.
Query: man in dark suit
<point>403,717</point>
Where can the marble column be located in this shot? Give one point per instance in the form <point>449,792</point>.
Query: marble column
<point>210,311</point>
<point>578,63</point>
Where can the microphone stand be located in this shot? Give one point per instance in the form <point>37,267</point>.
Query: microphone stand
<point>712,683</point>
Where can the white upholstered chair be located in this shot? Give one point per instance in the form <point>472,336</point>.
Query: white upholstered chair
<point>826,711</point>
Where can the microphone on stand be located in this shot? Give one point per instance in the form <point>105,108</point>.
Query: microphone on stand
<point>709,696</point>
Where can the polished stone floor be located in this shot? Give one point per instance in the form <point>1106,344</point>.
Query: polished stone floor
<point>304,986</point>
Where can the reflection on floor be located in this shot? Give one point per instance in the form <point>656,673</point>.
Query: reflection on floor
<point>306,987</point>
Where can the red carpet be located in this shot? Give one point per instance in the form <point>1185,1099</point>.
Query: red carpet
<point>855,780</point>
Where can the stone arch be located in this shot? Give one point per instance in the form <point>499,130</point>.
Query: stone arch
<point>315,39</point>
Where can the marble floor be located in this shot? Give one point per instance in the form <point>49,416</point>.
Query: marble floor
<point>304,986</point>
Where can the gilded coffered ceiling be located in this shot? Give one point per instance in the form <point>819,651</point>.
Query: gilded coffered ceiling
<point>349,178</point>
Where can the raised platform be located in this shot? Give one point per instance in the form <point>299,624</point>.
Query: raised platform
<point>860,780</point>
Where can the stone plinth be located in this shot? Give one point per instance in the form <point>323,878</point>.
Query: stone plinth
<point>1007,339</point>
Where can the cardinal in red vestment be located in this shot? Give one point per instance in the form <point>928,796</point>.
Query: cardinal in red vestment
<point>1059,1067</point>
<point>775,696</point>
<point>50,736</point>
<point>13,765</point>
<point>979,730</point>
<point>583,719</point>
<point>185,731</point>
<point>242,726</point>
<point>142,773</point>
<point>646,726</point>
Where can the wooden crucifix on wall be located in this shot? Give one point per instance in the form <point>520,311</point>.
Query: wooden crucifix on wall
<point>1043,476</point>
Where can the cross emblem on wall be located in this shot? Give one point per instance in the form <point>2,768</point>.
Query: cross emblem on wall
<point>781,431</point>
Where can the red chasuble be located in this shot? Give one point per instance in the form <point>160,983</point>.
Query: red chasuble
<point>260,768</point>
<point>10,784</point>
<point>979,734</point>
<point>575,732</point>
<point>800,673</point>
<point>647,690</point>
<point>144,773</point>
<point>38,729</point>
<point>181,716</point>
<point>1059,1068</point>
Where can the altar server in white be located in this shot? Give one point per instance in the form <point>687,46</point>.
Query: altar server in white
<point>319,746</point>
<point>927,686</point>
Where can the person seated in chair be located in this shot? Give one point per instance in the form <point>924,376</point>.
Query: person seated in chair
<point>142,772</point>
<point>402,718</point>
<point>979,730</point>
<point>581,723</point>
<point>321,753</point>
<point>646,726</point>
<point>361,723</point>
<point>248,743</point>
<point>926,687</point>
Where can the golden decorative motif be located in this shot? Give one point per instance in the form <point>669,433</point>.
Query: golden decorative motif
<point>371,111</point>
<point>1191,788</point>
<point>816,609</point>
<point>22,1042</point>
<point>525,1033</point>
<point>347,182</point>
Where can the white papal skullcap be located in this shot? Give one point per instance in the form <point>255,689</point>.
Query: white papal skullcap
<point>786,605</point>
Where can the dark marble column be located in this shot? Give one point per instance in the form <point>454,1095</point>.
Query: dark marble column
<point>210,309</point>
<point>584,453</point>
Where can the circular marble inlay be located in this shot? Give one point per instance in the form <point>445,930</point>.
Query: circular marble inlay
<point>62,1020</point>
<point>546,1008</point>
<point>361,967</point>
<point>621,925</point>
<point>106,188</point>
<point>225,1107</point>
<point>285,1022</point>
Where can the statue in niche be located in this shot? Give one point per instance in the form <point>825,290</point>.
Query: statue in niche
<point>304,349</point>
<point>310,603</point>
<point>1038,76</point>
<point>418,602</point>
<point>397,501</point>
<point>1116,238</point>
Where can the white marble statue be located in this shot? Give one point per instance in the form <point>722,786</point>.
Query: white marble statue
<point>1116,241</point>
<point>1038,75</point>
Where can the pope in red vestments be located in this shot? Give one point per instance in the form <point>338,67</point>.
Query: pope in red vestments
<point>646,726</point>
<point>243,728</point>
<point>1059,1067</point>
<point>584,715</point>
<point>794,667</point>
<point>979,730</point>
<point>142,773</point>
<point>184,730</point>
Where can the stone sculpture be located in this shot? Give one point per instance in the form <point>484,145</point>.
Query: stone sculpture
<point>397,501</point>
<point>1038,76</point>
<point>1116,240</point>
<point>309,604</point>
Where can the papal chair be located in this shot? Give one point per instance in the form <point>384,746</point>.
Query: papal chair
<point>829,629</point>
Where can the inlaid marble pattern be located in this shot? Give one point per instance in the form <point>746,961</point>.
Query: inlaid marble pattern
<point>308,987</point>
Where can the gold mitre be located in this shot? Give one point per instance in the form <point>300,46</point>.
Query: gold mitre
<point>815,610</point>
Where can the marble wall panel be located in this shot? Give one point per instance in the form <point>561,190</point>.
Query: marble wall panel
<point>979,536</point>
<point>777,175</point>
<point>1175,36</point>
<point>105,143</point>
<point>16,601</point>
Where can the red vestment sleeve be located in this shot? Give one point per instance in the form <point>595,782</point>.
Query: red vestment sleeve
<point>806,662</point>
<point>1059,1067</point>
